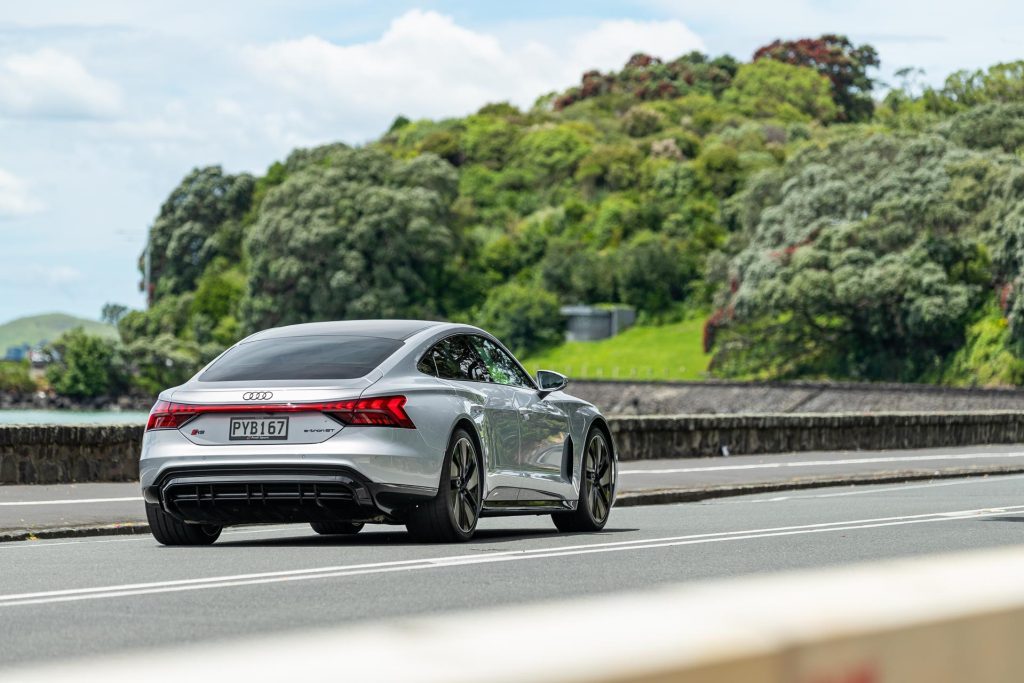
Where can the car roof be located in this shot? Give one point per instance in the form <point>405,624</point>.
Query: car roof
<point>387,329</point>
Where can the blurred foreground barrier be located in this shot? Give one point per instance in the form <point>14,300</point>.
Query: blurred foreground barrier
<point>46,454</point>
<point>937,620</point>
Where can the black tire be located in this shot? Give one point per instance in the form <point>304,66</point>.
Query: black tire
<point>597,487</point>
<point>452,516</point>
<point>336,528</point>
<point>170,531</point>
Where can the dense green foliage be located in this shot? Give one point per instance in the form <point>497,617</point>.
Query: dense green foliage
<point>822,233</point>
<point>86,366</point>
<point>359,235</point>
<point>14,377</point>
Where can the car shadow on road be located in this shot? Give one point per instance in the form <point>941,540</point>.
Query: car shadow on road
<point>402,538</point>
<point>1007,518</point>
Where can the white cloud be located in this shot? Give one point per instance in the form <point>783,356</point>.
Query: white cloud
<point>58,276</point>
<point>425,64</point>
<point>15,198</point>
<point>612,42</point>
<point>51,83</point>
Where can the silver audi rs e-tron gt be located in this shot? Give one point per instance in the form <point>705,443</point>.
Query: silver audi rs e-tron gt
<point>338,424</point>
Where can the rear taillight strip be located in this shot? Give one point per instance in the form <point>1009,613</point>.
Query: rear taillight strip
<point>376,411</point>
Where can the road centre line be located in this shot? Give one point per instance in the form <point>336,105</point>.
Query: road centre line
<point>823,463</point>
<point>125,590</point>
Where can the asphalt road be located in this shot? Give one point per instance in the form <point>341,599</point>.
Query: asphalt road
<point>73,505</point>
<point>90,596</point>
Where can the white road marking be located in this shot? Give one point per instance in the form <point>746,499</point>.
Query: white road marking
<point>172,586</point>
<point>70,501</point>
<point>824,463</point>
<point>892,488</point>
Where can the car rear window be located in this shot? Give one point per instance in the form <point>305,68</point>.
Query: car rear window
<point>319,357</point>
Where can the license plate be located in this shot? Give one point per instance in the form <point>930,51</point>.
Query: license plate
<point>258,429</point>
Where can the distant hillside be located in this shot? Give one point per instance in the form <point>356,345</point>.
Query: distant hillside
<point>37,329</point>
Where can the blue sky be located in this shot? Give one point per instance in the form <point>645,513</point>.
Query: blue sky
<point>105,105</point>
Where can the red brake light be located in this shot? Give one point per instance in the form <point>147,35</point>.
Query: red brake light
<point>379,411</point>
<point>165,415</point>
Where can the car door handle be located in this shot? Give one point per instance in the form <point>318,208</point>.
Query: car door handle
<point>525,413</point>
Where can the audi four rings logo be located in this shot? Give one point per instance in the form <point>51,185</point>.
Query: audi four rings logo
<point>257,396</point>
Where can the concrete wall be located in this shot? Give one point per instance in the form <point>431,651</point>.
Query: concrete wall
<point>41,454</point>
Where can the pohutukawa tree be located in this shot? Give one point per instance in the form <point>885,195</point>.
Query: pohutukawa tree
<point>843,63</point>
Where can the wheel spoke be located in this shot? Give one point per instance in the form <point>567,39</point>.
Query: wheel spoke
<point>601,509</point>
<point>468,514</point>
<point>457,503</point>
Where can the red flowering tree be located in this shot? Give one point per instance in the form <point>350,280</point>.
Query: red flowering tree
<point>843,63</point>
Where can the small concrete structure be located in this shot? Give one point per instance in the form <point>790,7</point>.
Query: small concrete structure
<point>590,323</point>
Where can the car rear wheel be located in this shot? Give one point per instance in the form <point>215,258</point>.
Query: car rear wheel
<point>597,488</point>
<point>453,514</point>
<point>336,528</point>
<point>170,531</point>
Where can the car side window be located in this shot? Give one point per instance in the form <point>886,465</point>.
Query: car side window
<point>426,364</point>
<point>502,368</point>
<point>454,358</point>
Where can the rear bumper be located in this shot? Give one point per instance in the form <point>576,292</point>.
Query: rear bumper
<point>226,495</point>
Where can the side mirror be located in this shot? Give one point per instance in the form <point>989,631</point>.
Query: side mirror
<point>550,381</point>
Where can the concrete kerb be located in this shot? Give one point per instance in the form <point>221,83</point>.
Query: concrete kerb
<point>122,529</point>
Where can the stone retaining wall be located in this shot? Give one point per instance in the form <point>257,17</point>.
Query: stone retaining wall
<point>692,436</point>
<point>60,454</point>
<point>721,397</point>
<point>45,454</point>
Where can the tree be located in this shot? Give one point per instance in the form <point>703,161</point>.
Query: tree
<point>989,126</point>
<point>112,313</point>
<point>198,222</point>
<point>843,63</point>
<point>163,361</point>
<point>772,89</point>
<point>649,78</point>
<point>652,272</point>
<point>15,378</point>
<point>868,261</point>
<point>525,317</point>
<point>362,236</point>
<point>999,83</point>
<point>86,366</point>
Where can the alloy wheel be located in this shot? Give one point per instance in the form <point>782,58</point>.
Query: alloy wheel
<point>464,489</point>
<point>600,478</point>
